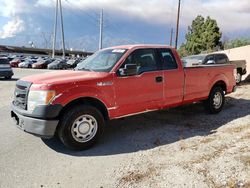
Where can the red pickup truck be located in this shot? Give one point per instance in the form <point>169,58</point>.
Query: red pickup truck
<point>114,83</point>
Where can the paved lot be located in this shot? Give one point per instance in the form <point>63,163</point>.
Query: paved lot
<point>182,147</point>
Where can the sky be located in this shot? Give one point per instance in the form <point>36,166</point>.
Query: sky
<point>26,22</point>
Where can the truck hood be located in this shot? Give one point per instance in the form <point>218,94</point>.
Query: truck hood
<point>68,76</point>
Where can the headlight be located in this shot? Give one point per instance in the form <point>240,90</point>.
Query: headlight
<point>36,98</point>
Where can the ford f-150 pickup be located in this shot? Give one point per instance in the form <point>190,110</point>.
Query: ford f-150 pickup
<point>114,83</point>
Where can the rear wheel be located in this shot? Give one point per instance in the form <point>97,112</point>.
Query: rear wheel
<point>81,127</point>
<point>216,100</point>
<point>238,78</point>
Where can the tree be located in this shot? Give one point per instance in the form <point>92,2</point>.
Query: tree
<point>183,51</point>
<point>203,35</point>
<point>235,43</point>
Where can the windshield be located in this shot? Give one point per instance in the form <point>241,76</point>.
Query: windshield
<point>101,61</point>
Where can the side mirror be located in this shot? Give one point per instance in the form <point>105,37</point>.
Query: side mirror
<point>129,70</point>
<point>211,62</point>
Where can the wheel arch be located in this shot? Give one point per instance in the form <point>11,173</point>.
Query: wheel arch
<point>88,101</point>
<point>220,84</point>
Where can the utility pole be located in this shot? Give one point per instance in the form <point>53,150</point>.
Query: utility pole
<point>58,3</point>
<point>63,42</point>
<point>171,37</point>
<point>177,25</point>
<point>101,30</point>
<point>55,31</point>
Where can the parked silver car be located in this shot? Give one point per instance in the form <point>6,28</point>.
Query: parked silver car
<point>5,69</point>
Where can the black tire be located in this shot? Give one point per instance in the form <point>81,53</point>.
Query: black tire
<point>238,77</point>
<point>210,103</point>
<point>8,77</point>
<point>68,124</point>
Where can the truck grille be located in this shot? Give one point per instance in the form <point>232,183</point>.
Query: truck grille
<point>21,94</point>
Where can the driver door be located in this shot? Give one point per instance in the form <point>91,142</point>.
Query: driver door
<point>143,91</point>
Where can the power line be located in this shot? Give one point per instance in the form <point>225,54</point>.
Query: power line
<point>93,18</point>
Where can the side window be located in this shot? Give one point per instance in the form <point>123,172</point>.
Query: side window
<point>221,59</point>
<point>209,58</point>
<point>168,60</point>
<point>144,60</point>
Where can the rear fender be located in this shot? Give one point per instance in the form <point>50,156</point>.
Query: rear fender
<point>218,78</point>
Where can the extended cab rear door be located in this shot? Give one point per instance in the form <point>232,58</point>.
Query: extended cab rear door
<point>141,92</point>
<point>173,77</point>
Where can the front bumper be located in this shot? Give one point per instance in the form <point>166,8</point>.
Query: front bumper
<point>42,122</point>
<point>38,127</point>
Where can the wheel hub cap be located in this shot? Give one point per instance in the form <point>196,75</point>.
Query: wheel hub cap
<point>84,128</point>
<point>217,100</point>
<point>238,78</point>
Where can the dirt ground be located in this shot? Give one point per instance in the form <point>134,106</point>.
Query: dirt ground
<point>180,147</point>
<point>194,149</point>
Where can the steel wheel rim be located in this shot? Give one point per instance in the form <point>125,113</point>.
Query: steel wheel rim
<point>238,78</point>
<point>217,100</point>
<point>84,128</point>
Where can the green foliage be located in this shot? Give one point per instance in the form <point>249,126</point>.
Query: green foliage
<point>203,35</point>
<point>237,43</point>
<point>183,51</point>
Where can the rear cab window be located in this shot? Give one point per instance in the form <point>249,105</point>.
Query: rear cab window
<point>168,60</point>
<point>221,59</point>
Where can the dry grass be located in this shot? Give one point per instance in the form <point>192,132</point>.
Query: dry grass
<point>245,160</point>
<point>208,178</point>
<point>238,129</point>
<point>246,185</point>
<point>208,157</point>
<point>137,176</point>
<point>207,140</point>
<point>246,136</point>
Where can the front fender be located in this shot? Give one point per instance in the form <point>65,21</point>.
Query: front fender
<point>104,94</point>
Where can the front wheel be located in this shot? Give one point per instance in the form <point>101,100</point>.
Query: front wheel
<point>80,127</point>
<point>215,101</point>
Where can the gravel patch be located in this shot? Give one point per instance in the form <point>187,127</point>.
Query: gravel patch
<point>193,149</point>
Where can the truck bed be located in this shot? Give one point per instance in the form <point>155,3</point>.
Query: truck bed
<point>200,79</point>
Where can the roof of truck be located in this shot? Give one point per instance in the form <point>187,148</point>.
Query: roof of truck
<point>142,46</point>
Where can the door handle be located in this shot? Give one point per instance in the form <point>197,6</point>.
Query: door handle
<point>159,79</point>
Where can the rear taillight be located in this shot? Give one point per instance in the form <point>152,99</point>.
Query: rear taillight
<point>235,73</point>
